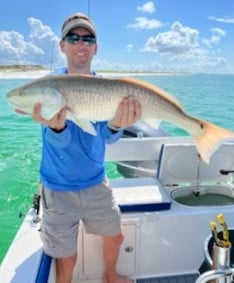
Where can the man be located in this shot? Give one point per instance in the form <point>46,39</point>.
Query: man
<point>72,167</point>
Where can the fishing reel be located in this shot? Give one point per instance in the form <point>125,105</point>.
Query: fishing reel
<point>36,207</point>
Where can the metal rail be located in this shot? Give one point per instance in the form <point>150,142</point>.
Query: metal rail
<point>225,275</point>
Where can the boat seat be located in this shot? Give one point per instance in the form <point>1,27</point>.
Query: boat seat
<point>181,164</point>
<point>140,195</point>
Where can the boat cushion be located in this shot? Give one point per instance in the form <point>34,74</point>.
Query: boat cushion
<point>140,195</point>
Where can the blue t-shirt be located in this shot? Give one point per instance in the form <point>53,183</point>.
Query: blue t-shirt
<point>73,159</point>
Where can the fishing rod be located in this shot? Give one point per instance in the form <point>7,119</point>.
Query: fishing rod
<point>89,8</point>
<point>225,242</point>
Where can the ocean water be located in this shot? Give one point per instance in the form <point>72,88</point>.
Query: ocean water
<point>210,97</point>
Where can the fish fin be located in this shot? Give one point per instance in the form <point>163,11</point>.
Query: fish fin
<point>47,114</point>
<point>84,124</point>
<point>211,139</point>
<point>54,102</point>
<point>153,123</point>
<point>155,89</point>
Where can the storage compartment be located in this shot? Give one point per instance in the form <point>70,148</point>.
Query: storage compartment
<point>203,196</point>
<point>92,253</point>
<point>198,183</point>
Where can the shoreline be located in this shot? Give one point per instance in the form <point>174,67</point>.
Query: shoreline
<point>34,74</point>
<point>29,74</point>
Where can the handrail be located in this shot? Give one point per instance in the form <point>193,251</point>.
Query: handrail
<point>215,274</point>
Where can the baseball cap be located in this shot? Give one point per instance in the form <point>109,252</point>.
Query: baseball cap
<point>78,20</point>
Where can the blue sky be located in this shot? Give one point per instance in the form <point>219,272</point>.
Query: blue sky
<point>160,35</point>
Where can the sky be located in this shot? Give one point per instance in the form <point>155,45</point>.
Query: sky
<point>133,35</point>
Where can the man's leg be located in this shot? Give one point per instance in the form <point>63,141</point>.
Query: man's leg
<point>59,230</point>
<point>111,247</point>
<point>64,269</point>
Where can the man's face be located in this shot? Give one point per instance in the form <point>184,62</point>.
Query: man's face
<point>78,53</point>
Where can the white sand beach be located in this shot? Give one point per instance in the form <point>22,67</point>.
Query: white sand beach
<point>33,74</point>
<point>9,74</point>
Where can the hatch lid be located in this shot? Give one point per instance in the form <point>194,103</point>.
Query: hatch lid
<point>140,195</point>
<point>180,163</point>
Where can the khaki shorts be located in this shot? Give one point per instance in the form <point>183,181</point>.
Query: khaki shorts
<point>62,212</point>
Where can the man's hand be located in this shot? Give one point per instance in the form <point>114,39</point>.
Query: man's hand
<point>57,123</point>
<point>127,113</point>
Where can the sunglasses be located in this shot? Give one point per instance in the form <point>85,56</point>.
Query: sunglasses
<point>74,38</point>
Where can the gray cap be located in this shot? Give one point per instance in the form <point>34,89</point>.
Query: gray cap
<point>78,20</point>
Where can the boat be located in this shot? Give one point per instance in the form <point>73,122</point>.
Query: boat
<point>165,219</point>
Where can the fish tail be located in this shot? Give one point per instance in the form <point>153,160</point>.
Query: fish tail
<point>210,140</point>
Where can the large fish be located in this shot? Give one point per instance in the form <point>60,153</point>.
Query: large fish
<point>90,98</point>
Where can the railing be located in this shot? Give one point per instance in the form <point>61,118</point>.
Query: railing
<point>221,276</point>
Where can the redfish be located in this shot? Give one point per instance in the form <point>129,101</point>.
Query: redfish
<point>91,99</point>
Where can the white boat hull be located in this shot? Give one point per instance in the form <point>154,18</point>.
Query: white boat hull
<point>162,237</point>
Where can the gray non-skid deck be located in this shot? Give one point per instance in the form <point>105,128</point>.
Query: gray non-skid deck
<point>191,278</point>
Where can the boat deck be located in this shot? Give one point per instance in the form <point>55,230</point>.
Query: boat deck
<point>190,278</point>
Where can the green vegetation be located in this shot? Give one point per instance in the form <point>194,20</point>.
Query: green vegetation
<point>18,68</point>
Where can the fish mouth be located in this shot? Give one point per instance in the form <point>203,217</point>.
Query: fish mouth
<point>12,99</point>
<point>19,111</point>
<point>15,105</point>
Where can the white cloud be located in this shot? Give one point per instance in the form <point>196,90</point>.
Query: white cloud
<point>14,48</point>
<point>42,35</point>
<point>129,47</point>
<point>216,36</point>
<point>226,20</point>
<point>182,44</point>
<point>38,30</point>
<point>102,64</point>
<point>211,62</point>
<point>176,42</point>
<point>148,7</point>
<point>40,47</point>
<point>143,23</point>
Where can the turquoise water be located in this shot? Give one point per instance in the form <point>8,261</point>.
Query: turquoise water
<point>210,97</point>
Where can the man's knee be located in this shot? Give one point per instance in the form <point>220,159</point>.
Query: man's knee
<point>116,239</point>
<point>65,266</point>
<point>119,238</point>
